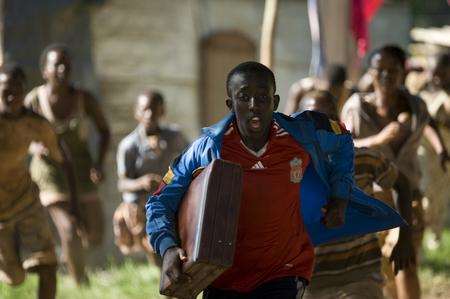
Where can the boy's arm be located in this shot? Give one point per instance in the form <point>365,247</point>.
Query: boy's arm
<point>127,182</point>
<point>162,207</point>
<point>341,171</point>
<point>341,163</point>
<point>403,254</point>
<point>351,117</point>
<point>31,101</point>
<point>338,159</point>
<point>50,141</point>
<point>434,137</point>
<point>94,111</point>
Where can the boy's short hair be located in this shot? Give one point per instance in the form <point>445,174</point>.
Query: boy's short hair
<point>336,74</point>
<point>56,47</point>
<point>394,51</point>
<point>14,71</point>
<point>250,67</point>
<point>321,96</point>
<point>153,95</point>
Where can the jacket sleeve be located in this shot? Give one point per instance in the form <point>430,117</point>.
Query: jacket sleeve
<point>162,207</point>
<point>341,166</point>
<point>336,146</point>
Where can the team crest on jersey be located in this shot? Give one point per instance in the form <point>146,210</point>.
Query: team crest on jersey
<point>296,170</point>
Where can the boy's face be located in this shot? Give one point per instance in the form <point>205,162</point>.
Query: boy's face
<point>253,100</point>
<point>11,95</point>
<point>387,72</point>
<point>57,67</point>
<point>148,112</point>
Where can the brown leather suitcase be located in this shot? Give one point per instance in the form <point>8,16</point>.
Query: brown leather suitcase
<point>207,225</point>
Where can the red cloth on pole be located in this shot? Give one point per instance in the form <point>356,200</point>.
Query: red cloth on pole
<point>362,13</point>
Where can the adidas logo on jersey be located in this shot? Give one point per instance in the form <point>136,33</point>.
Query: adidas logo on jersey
<point>258,165</point>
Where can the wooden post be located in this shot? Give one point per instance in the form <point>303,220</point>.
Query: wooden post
<point>318,56</point>
<point>2,34</point>
<point>267,34</point>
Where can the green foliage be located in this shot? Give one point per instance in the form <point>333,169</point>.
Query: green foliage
<point>438,261</point>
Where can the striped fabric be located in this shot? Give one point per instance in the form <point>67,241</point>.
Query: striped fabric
<point>371,166</point>
<point>356,257</point>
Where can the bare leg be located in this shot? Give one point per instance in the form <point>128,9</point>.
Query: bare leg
<point>70,241</point>
<point>91,211</point>
<point>407,282</point>
<point>47,281</point>
<point>389,288</point>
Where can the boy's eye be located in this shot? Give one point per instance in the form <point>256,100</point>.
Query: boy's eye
<point>262,98</point>
<point>243,97</point>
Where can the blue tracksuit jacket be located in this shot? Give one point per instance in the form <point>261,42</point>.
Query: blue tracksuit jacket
<point>329,175</point>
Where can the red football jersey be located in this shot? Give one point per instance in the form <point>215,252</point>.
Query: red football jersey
<point>272,241</point>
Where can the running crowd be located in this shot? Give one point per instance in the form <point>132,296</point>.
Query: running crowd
<point>400,143</point>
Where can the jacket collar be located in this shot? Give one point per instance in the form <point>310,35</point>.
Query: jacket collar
<point>217,130</point>
<point>300,127</point>
<point>290,124</point>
